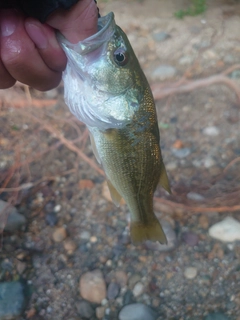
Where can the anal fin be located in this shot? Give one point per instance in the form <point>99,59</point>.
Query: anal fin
<point>163,181</point>
<point>116,197</point>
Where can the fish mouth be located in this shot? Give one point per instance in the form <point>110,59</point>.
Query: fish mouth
<point>106,26</point>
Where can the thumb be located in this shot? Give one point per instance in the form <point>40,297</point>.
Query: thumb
<point>77,23</point>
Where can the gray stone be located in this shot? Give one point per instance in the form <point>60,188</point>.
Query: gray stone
<point>181,153</point>
<point>85,309</point>
<point>216,316</point>
<point>211,131</point>
<point>235,74</point>
<point>227,230</point>
<point>190,238</point>
<point>10,219</point>
<point>113,290</point>
<point>190,273</point>
<point>186,60</point>
<point>137,311</point>
<point>138,289</point>
<point>171,239</point>
<point>161,36</point>
<point>12,300</point>
<point>209,162</point>
<point>195,196</point>
<point>164,72</point>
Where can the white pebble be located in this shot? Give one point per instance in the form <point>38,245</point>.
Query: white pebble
<point>190,273</point>
<point>57,208</point>
<point>227,230</point>
<point>211,131</point>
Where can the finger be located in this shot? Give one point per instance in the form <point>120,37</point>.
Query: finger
<point>6,80</point>
<point>20,56</point>
<point>78,23</point>
<point>48,47</point>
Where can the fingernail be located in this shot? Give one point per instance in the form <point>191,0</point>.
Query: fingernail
<point>8,22</point>
<point>37,35</point>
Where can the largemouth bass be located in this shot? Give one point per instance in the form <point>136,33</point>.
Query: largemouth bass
<point>106,89</point>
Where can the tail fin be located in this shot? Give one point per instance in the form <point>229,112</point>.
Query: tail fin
<point>151,231</point>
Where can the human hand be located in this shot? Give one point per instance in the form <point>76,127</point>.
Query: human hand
<point>29,51</point>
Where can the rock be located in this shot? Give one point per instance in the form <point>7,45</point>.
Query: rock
<point>137,311</point>
<point>235,74</point>
<point>228,230</point>
<point>186,60</point>
<point>190,238</point>
<point>190,273</point>
<point>181,153</point>
<point>161,36</point>
<point>211,131</point>
<point>195,196</point>
<point>12,299</point>
<point>112,291</point>
<point>138,289</point>
<point>59,234</point>
<point>121,278</point>
<point>203,221</point>
<point>51,219</point>
<point>128,298</point>
<point>133,280</point>
<point>57,208</point>
<point>85,235</point>
<point>216,316</point>
<point>171,166</point>
<point>208,162</point>
<point>70,246</point>
<point>163,73</point>
<point>85,309</point>
<point>171,238</point>
<point>100,311</point>
<point>10,219</point>
<point>92,286</point>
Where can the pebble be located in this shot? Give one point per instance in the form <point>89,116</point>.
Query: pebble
<point>138,289</point>
<point>190,273</point>
<point>186,60</point>
<point>51,219</point>
<point>171,238</point>
<point>133,280</point>
<point>85,235</point>
<point>190,238</point>
<point>171,166</point>
<point>57,208</point>
<point>12,299</point>
<point>137,311</point>
<point>70,246</point>
<point>85,309</point>
<point>10,220</point>
<point>93,239</point>
<point>181,153</point>
<point>216,316</point>
<point>164,72</point>
<point>112,291</point>
<point>227,230</point>
<point>211,131</point>
<point>92,286</point>
<point>208,162</point>
<point>59,234</point>
<point>235,74</point>
<point>161,36</point>
<point>121,278</point>
<point>100,311</point>
<point>195,196</point>
<point>128,297</point>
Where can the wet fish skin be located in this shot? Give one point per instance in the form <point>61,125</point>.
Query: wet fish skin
<point>118,107</point>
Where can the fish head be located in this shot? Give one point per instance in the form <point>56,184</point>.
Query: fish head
<point>103,86</point>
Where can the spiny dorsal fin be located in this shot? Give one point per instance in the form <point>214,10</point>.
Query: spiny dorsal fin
<point>116,197</point>
<point>163,181</point>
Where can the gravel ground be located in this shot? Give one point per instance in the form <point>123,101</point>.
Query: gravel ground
<point>66,251</point>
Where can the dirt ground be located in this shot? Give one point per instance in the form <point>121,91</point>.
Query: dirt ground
<point>48,171</point>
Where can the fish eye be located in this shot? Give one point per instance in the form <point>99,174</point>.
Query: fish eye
<point>120,57</point>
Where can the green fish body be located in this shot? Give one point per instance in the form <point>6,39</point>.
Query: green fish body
<point>106,88</point>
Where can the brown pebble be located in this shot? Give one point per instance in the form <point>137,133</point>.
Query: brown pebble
<point>121,278</point>
<point>59,234</point>
<point>203,221</point>
<point>21,266</point>
<point>156,302</point>
<point>85,184</point>
<point>178,144</point>
<point>30,313</point>
<point>142,258</point>
<point>70,246</point>
<point>92,286</point>
<point>100,311</point>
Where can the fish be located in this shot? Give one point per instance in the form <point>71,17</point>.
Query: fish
<point>105,87</point>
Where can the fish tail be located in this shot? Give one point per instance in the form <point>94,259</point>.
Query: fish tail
<point>151,231</point>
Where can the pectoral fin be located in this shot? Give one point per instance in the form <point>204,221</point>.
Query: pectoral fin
<point>163,181</point>
<point>94,148</point>
<point>116,197</point>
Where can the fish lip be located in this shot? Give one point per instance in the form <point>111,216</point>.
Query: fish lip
<point>106,26</point>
